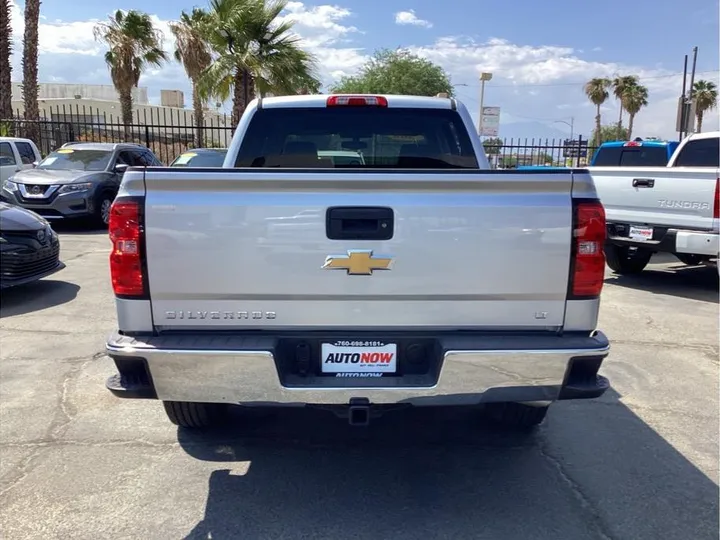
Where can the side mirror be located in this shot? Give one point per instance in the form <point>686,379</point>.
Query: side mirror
<point>120,168</point>
<point>35,164</point>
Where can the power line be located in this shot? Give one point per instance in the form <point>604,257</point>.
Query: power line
<point>578,83</point>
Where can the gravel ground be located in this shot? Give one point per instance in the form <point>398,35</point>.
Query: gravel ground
<point>639,463</point>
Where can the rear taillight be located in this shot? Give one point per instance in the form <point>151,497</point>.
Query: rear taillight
<point>356,101</point>
<point>126,235</point>
<point>588,265</point>
<point>716,206</point>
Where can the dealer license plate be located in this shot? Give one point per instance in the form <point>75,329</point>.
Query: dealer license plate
<point>365,356</point>
<point>642,234</point>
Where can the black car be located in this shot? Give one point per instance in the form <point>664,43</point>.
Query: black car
<point>201,157</point>
<point>29,248</point>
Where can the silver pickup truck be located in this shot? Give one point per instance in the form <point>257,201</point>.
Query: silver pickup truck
<point>417,277</point>
<point>672,209</point>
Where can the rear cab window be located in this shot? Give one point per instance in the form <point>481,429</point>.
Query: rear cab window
<point>357,138</point>
<point>27,154</point>
<point>699,153</point>
<point>631,156</point>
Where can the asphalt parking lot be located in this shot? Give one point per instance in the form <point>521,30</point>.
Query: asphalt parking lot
<point>639,463</point>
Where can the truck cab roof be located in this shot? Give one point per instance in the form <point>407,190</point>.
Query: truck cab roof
<point>321,100</point>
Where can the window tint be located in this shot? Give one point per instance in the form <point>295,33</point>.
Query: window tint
<point>700,153</point>
<point>377,137</point>
<point>27,155</point>
<point>131,158</point>
<point>7,157</point>
<point>631,156</point>
<point>150,159</point>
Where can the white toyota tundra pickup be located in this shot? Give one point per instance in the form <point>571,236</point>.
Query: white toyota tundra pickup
<point>416,276</point>
<point>673,209</point>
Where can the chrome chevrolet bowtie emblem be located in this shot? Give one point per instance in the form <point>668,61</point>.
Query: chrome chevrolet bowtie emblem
<point>358,262</point>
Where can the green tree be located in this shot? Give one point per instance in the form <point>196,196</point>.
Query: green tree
<point>396,72</point>
<point>705,93</point>
<point>193,52</point>
<point>30,67</point>
<point>134,44</point>
<point>634,98</point>
<point>5,64</point>
<point>609,132</point>
<point>619,85</point>
<point>597,91</point>
<point>255,54</point>
<point>493,145</point>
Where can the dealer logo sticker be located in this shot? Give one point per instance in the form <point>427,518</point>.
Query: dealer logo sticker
<point>359,357</point>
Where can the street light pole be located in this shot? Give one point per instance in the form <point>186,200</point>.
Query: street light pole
<point>484,76</point>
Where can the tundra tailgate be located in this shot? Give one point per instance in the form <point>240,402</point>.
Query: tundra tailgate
<point>677,197</point>
<point>327,248</point>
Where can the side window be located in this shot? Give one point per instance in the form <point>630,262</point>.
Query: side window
<point>7,156</point>
<point>700,153</point>
<point>27,154</point>
<point>150,159</point>
<point>130,158</point>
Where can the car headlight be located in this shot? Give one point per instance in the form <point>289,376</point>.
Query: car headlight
<point>10,185</point>
<point>75,188</point>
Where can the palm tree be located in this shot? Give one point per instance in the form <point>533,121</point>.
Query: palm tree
<point>5,65</point>
<point>194,53</point>
<point>597,91</point>
<point>30,67</point>
<point>634,98</point>
<point>134,44</point>
<point>256,54</point>
<point>619,85</point>
<point>705,93</point>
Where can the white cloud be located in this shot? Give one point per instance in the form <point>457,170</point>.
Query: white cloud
<point>542,82</point>
<point>409,18</point>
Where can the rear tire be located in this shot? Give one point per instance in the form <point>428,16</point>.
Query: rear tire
<point>516,416</point>
<point>690,259</point>
<point>625,260</point>
<point>194,415</point>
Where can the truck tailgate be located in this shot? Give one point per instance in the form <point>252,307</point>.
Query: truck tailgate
<point>243,248</point>
<point>678,197</point>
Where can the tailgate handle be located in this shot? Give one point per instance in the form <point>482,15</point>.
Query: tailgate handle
<point>359,223</point>
<point>644,182</point>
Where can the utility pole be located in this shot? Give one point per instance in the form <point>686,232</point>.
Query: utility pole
<point>484,76</point>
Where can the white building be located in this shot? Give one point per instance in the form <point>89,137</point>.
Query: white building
<point>92,112</point>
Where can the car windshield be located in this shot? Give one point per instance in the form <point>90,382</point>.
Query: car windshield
<point>78,160</point>
<point>356,137</point>
<point>200,159</point>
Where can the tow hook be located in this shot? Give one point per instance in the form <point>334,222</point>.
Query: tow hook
<point>359,412</point>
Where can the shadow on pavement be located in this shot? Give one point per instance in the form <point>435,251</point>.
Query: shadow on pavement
<point>77,226</point>
<point>692,282</point>
<point>593,470</point>
<point>42,294</point>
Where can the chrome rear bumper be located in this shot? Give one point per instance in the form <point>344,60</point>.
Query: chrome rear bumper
<point>245,371</point>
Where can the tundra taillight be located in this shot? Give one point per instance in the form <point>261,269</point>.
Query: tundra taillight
<point>127,237</point>
<point>716,205</point>
<point>588,256</point>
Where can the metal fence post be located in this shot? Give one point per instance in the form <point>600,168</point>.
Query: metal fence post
<point>147,136</point>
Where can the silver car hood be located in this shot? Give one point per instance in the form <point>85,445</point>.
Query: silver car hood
<point>56,177</point>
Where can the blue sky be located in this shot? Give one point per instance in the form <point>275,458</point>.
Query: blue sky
<point>539,55</point>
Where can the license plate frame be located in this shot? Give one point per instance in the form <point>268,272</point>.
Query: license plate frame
<point>640,233</point>
<point>358,358</point>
